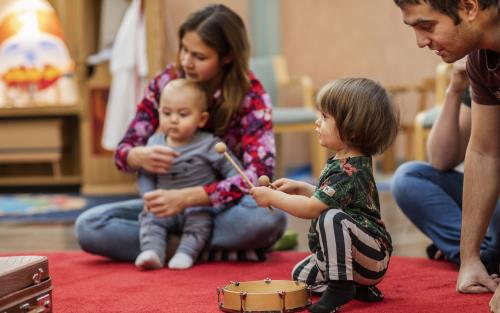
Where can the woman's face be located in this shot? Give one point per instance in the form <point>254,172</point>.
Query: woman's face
<point>200,62</point>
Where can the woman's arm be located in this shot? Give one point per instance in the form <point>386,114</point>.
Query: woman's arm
<point>296,205</point>
<point>131,154</point>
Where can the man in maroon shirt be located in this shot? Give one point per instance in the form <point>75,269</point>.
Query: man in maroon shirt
<point>454,29</point>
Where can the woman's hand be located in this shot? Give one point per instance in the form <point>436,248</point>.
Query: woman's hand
<point>262,196</point>
<point>154,159</point>
<point>293,187</point>
<point>163,203</point>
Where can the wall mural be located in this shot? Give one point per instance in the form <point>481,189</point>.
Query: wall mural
<point>35,65</point>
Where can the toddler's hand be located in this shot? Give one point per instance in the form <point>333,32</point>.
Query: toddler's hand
<point>262,196</point>
<point>294,187</point>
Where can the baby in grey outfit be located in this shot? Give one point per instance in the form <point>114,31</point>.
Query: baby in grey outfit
<point>182,112</point>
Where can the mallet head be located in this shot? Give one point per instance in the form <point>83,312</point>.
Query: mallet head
<point>220,147</point>
<point>264,181</point>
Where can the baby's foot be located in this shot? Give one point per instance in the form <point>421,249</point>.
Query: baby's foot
<point>148,260</point>
<point>180,261</point>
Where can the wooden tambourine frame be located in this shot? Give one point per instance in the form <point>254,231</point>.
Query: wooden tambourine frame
<point>264,296</point>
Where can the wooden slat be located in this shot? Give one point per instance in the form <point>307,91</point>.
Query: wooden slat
<point>35,157</point>
<point>40,180</point>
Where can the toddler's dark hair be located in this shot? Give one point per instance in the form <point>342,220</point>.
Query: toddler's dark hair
<point>363,112</point>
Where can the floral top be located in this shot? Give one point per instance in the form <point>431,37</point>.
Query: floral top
<point>348,185</point>
<point>249,135</point>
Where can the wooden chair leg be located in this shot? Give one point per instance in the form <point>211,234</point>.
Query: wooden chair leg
<point>389,159</point>
<point>318,156</point>
<point>410,144</point>
<point>420,139</point>
<point>279,170</point>
<point>56,168</point>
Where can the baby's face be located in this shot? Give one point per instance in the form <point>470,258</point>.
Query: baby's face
<point>181,114</point>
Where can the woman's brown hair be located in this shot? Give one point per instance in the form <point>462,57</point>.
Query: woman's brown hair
<point>363,112</point>
<point>223,30</point>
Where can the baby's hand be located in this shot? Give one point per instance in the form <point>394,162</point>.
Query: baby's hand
<point>262,196</point>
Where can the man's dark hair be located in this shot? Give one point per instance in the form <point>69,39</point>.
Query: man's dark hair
<point>447,7</point>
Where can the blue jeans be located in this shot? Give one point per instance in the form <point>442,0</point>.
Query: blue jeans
<point>112,230</point>
<point>432,200</point>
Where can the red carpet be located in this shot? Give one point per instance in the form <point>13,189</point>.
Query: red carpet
<point>86,283</point>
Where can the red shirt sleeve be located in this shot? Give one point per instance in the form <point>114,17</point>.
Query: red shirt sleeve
<point>250,137</point>
<point>145,121</point>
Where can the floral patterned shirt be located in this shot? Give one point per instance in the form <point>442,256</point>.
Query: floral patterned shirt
<point>249,135</point>
<point>348,184</point>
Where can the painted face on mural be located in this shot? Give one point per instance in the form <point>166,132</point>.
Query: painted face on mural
<point>32,50</point>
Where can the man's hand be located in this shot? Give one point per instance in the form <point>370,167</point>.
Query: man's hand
<point>458,79</point>
<point>154,159</point>
<point>473,278</point>
<point>163,203</point>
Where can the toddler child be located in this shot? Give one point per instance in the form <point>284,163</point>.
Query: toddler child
<point>349,243</point>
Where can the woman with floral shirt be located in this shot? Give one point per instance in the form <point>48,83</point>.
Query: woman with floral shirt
<point>213,51</point>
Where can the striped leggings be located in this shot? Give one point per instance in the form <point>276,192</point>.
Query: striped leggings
<point>347,253</point>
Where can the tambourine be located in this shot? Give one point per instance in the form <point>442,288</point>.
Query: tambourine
<point>264,296</point>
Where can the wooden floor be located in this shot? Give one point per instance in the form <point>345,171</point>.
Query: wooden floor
<point>407,240</point>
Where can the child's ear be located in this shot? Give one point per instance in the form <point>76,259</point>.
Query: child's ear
<point>203,119</point>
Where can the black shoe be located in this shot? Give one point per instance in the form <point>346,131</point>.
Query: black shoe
<point>336,294</point>
<point>490,260</point>
<point>368,294</point>
<point>434,253</point>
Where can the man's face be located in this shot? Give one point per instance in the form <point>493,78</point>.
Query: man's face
<point>438,32</point>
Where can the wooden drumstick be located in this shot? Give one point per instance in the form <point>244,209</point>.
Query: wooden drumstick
<point>221,148</point>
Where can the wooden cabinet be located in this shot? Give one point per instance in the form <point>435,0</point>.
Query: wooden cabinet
<point>40,146</point>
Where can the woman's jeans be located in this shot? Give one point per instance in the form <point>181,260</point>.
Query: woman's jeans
<point>112,229</point>
<point>432,200</point>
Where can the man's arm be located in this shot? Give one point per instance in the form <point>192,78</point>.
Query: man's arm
<point>481,190</point>
<point>450,133</point>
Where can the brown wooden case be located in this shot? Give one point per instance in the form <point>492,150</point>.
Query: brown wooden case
<point>25,284</point>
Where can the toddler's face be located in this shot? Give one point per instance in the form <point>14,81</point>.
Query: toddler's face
<point>328,133</point>
<point>181,114</point>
